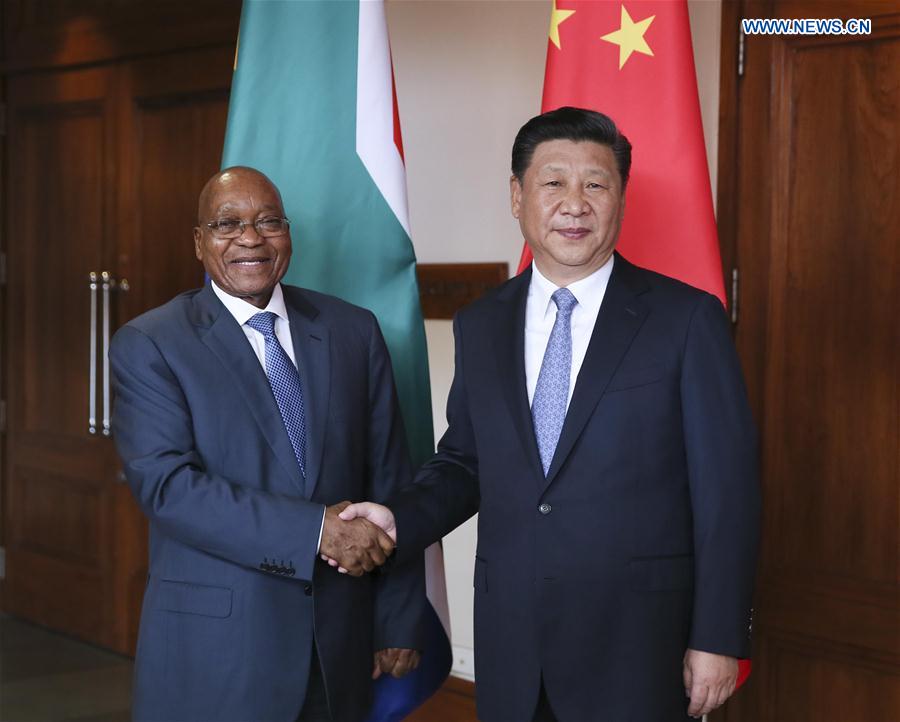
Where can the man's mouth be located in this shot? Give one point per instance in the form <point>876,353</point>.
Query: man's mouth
<point>573,233</point>
<point>250,262</point>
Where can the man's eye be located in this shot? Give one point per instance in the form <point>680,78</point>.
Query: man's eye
<point>595,186</point>
<point>226,224</point>
<point>272,223</point>
<point>553,184</point>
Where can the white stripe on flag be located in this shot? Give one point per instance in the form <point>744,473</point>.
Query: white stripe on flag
<point>379,154</point>
<point>375,110</point>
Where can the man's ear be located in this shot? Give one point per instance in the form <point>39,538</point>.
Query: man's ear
<point>198,234</point>
<point>515,195</point>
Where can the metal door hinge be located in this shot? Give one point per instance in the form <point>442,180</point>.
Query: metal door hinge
<point>2,119</point>
<point>2,269</point>
<point>735,279</point>
<point>741,50</point>
<point>2,416</point>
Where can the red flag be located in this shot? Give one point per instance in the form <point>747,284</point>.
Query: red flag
<point>633,61</point>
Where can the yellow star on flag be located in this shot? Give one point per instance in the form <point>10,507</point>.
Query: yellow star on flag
<point>630,37</point>
<point>556,17</point>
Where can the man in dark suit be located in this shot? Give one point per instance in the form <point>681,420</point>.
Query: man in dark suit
<point>598,423</point>
<point>244,412</point>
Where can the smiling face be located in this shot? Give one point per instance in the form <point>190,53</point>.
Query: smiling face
<point>570,204</point>
<point>250,265</point>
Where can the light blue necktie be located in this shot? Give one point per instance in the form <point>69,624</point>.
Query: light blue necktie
<point>551,395</point>
<point>285,382</point>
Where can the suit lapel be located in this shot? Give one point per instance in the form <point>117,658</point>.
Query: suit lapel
<point>312,351</point>
<point>225,338</point>
<point>622,313</point>
<point>509,347</point>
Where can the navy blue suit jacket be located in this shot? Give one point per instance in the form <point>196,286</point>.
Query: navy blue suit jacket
<point>642,539</point>
<point>236,597</point>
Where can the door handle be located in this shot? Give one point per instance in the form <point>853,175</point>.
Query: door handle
<point>105,283</point>
<point>108,284</point>
<point>92,374</point>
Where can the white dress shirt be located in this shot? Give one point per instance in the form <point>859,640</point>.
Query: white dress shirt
<point>540,315</point>
<point>243,312</point>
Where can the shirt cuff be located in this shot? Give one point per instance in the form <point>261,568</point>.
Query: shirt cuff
<point>321,529</point>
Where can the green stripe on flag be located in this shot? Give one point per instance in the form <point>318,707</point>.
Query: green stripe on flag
<point>292,115</point>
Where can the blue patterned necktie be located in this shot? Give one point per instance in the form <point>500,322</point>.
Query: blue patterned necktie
<point>285,382</point>
<point>551,395</point>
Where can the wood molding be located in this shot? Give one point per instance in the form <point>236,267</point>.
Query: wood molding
<point>65,34</point>
<point>444,288</point>
<point>729,98</point>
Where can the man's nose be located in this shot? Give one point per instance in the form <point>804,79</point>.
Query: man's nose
<point>574,203</point>
<point>249,236</point>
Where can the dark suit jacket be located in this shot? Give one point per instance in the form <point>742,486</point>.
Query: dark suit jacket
<point>236,598</point>
<point>641,541</point>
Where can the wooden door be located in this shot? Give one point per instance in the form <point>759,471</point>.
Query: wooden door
<point>105,168</point>
<point>60,483</point>
<point>816,197</point>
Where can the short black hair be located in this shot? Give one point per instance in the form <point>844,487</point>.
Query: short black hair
<point>567,123</point>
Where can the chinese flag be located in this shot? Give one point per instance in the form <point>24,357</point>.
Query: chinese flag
<point>633,61</point>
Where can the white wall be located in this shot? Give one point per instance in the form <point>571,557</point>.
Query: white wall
<point>468,75</point>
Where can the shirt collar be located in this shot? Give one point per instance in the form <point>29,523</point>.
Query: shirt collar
<point>243,311</point>
<point>589,291</point>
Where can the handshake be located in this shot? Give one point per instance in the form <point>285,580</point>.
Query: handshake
<point>356,538</point>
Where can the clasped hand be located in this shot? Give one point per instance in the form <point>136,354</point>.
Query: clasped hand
<point>373,514</point>
<point>356,545</point>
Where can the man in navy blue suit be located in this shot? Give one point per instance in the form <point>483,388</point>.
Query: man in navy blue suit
<point>245,413</point>
<point>598,423</point>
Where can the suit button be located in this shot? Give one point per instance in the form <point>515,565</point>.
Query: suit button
<point>307,590</point>
<point>545,508</point>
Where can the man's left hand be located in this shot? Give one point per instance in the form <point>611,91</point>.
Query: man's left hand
<point>396,662</point>
<point>709,680</point>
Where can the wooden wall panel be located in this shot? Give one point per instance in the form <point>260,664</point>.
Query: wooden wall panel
<point>444,288</point>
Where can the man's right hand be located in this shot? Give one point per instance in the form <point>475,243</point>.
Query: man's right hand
<point>363,511</point>
<point>356,544</point>
<point>375,513</point>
